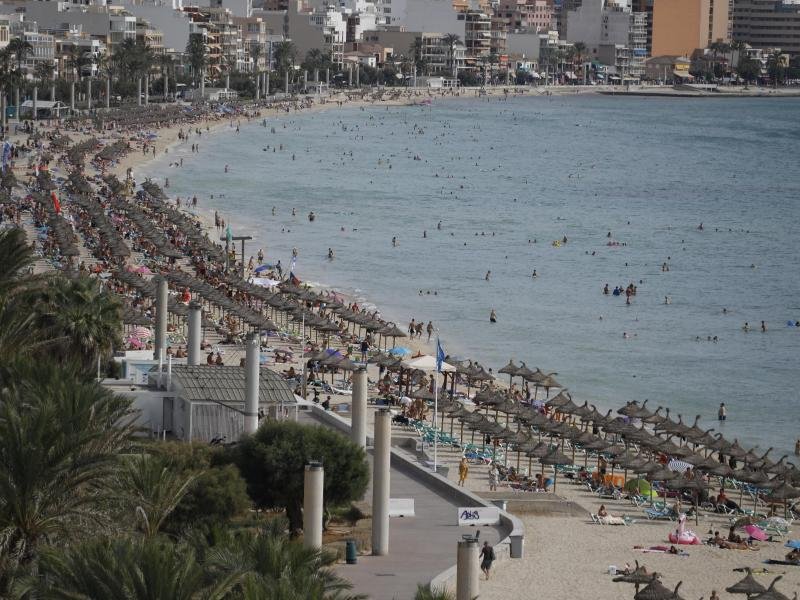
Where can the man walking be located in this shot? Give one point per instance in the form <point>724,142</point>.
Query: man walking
<point>487,558</point>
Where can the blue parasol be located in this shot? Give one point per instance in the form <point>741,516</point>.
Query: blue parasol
<point>399,351</point>
<point>793,544</point>
<point>264,267</point>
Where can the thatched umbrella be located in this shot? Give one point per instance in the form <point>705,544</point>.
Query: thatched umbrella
<point>748,586</point>
<point>655,590</point>
<point>639,576</point>
<point>662,474</point>
<point>693,485</point>
<point>555,458</point>
<point>510,369</point>
<point>784,491</point>
<point>771,593</point>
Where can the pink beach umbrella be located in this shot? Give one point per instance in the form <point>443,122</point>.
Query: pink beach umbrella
<point>134,342</point>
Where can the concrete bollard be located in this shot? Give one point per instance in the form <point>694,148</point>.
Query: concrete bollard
<point>381,464</point>
<point>313,486</point>
<point>467,574</point>
<point>358,429</point>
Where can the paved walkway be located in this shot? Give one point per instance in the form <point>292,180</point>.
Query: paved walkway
<point>420,547</point>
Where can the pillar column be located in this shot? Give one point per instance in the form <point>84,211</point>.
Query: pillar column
<point>286,82</point>
<point>195,333</point>
<point>16,102</point>
<point>305,80</point>
<point>146,89</point>
<point>251,383</point>
<point>358,75</point>
<point>258,86</point>
<point>467,581</point>
<point>381,459</point>
<point>108,92</point>
<point>162,296</point>
<point>266,84</point>
<point>316,75</point>
<point>166,86</point>
<point>358,429</point>
<point>349,75</point>
<point>327,76</point>
<point>227,81</point>
<point>52,92</point>
<point>313,484</point>
<point>139,91</point>
<point>35,101</point>
<point>89,92</point>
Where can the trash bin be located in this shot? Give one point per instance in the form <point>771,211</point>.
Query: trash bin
<point>350,552</point>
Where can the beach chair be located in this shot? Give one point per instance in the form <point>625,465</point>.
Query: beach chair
<point>595,519</point>
<point>654,513</point>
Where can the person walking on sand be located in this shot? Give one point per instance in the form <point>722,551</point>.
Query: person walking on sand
<point>429,329</point>
<point>493,478</point>
<point>463,471</point>
<point>487,558</point>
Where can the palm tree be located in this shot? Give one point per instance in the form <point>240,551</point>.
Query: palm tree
<point>451,40</point>
<point>20,48</point>
<point>579,54</point>
<point>149,489</point>
<point>271,565</point>
<point>59,438</point>
<point>198,56</point>
<point>425,592</point>
<point>149,569</point>
<point>776,68</point>
<point>284,55</point>
<point>166,65</point>
<point>82,318</point>
<point>416,51</point>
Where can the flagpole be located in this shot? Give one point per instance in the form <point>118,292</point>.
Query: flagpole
<point>435,413</point>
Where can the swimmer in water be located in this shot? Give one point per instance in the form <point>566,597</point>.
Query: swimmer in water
<point>492,316</point>
<point>746,327</point>
<point>330,253</point>
<point>394,241</point>
<point>226,168</point>
<point>667,300</point>
<point>534,275</point>
<point>488,274</point>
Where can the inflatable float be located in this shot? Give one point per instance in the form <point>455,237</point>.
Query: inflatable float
<point>682,535</point>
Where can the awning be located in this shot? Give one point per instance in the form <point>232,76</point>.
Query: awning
<point>682,74</point>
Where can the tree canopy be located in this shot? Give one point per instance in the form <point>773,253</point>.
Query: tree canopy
<point>272,462</point>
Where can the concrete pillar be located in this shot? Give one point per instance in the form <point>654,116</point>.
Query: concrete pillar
<point>266,84</point>
<point>195,333</point>
<point>89,92</point>
<point>305,80</point>
<point>349,75</point>
<point>286,82</point>
<point>316,75</point>
<point>467,573</point>
<point>166,86</point>
<point>53,92</point>
<point>251,383</point>
<point>381,459</point>
<point>313,484</point>
<point>162,297</point>
<point>258,86</point>
<point>227,81</point>
<point>146,90</point>
<point>108,92</point>
<point>16,102</point>
<point>327,76</point>
<point>358,429</point>
<point>72,95</point>
<point>139,91</point>
<point>358,75</point>
<point>35,101</point>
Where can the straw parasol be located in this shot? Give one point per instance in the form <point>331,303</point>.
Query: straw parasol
<point>510,369</point>
<point>771,593</point>
<point>555,458</point>
<point>784,491</point>
<point>748,586</point>
<point>639,576</point>
<point>655,590</point>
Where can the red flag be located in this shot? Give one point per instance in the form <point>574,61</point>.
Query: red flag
<point>56,203</point>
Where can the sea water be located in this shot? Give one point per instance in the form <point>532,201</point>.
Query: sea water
<point>506,179</point>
